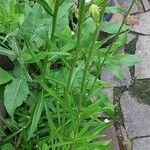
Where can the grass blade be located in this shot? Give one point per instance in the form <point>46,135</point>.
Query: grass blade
<point>36,116</point>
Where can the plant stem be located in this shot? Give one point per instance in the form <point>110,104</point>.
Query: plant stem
<point>100,66</point>
<point>81,12</point>
<point>14,134</point>
<point>46,63</point>
<point>67,90</point>
<point>87,67</point>
<point>52,38</point>
<point>55,19</point>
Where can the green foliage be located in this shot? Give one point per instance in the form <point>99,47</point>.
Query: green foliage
<point>60,68</point>
<point>4,76</point>
<point>7,146</point>
<point>14,95</point>
<point>9,17</point>
<point>36,116</point>
<point>6,52</point>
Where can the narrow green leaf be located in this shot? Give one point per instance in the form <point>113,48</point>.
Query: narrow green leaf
<point>4,76</point>
<point>33,59</point>
<point>67,47</point>
<point>54,55</point>
<point>36,116</point>
<point>48,90</point>
<point>14,95</point>
<point>127,60</point>
<point>112,28</point>
<point>56,80</point>
<point>64,143</point>
<point>45,5</point>
<point>115,9</point>
<point>6,52</point>
<point>87,126</point>
<point>7,146</point>
<point>45,147</point>
<point>117,72</point>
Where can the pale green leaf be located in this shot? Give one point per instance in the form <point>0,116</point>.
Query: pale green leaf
<point>45,6</point>
<point>112,28</point>
<point>127,60</point>
<point>36,116</point>
<point>45,147</point>
<point>4,76</point>
<point>14,95</point>
<point>117,72</point>
<point>6,52</point>
<point>7,146</point>
<point>35,26</point>
<point>115,9</point>
<point>63,16</point>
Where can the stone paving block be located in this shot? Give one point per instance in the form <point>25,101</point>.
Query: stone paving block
<point>126,4</point>
<point>144,24</point>
<point>136,116</point>
<point>130,38</point>
<point>146,4</point>
<point>142,70</point>
<point>108,77</point>
<point>110,134</point>
<point>141,144</point>
<point>109,92</point>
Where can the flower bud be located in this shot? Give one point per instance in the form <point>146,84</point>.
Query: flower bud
<point>94,12</point>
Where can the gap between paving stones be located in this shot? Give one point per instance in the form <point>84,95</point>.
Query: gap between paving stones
<point>130,142</point>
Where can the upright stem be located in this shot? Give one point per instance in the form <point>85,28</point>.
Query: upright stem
<point>89,57</point>
<point>55,19</point>
<point>87,66</point>
<point>81,12</point>
<point>52,38</point>
<point>100,67</point>
<point>67,90</point>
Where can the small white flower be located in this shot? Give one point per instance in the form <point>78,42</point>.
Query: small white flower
<point>72,33</point>
<point>106,121</point>
<point>87,1</point>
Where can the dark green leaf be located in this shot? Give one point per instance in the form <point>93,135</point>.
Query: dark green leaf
<point>7,146</point>
<point>6,52</point>
<point>117,72</point>
<point>127,60</point>
<point>36,116</point>
<point>14,95</point>
<point>45,6</point>
<point>112,27</point>
<point>4,76</point>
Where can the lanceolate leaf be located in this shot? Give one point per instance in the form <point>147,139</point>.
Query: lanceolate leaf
<point>4,76</point>
<point>127,60</point>
<point>14,95</point>
<point>112,28</point>
<point>7,146</point>
<point>36,26</point>
<point>117,72</point>
<point>6,52</point>
<point>45,6</point>
<point>36,116</point>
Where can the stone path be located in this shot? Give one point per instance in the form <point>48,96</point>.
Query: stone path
<point>134,103</point>
<point>135,111</point>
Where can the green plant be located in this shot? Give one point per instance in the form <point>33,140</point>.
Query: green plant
<point>53,95</point>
